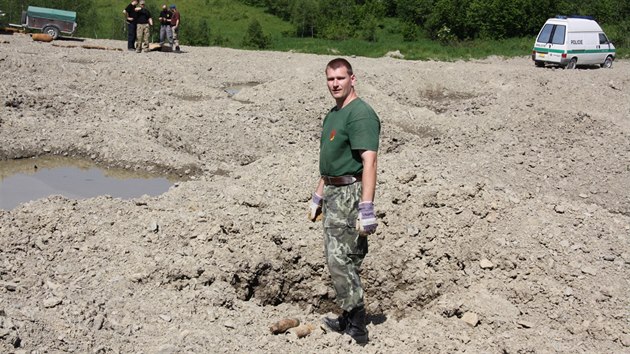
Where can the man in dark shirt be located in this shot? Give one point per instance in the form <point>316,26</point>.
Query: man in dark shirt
<point>144,23</point>
<point>131,15</point>
<point>165,26</point>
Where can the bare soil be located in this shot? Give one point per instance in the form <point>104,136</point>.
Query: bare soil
<point>502,199</point>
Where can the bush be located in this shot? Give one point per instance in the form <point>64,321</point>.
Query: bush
<point>196,33</point>
<point>220,40</point>
<point>409,32</point>
<point>255,37</point>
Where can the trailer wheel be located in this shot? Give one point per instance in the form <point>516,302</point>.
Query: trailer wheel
<point>572,63</point>
<point>608,62</point>
<point>52,31</point>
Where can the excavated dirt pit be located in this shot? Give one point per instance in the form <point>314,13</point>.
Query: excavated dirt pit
<point>503,205</point>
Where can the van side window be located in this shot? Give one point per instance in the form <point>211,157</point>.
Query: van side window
<point>558,34</point>
<point>603,39</point>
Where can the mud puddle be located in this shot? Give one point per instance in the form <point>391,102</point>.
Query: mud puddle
<point>234,88</point>
<point>26,180</point>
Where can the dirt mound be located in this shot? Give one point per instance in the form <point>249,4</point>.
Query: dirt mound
<point>502,198</point>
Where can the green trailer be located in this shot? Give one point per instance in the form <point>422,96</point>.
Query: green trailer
<point>50,21</point>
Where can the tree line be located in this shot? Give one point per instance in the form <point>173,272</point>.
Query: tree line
<point>444,20</point>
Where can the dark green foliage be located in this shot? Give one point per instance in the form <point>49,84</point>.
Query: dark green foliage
<point>255,37</point>
<point>447,21</point>
<point>414,11</point>
<point>196,33</point>
<point>220,40</point>
<point>304,17</point>
<point>495,19</point>
<point>370,14</point>
<point>409,31</point>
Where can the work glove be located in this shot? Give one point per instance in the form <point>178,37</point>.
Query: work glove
<point>315,208</point>
<point>366,222</point>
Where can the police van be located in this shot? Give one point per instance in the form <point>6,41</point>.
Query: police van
<point>570,41</point>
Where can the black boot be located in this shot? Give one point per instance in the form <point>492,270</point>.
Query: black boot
<point>338,324</point>
<point>356,327</point>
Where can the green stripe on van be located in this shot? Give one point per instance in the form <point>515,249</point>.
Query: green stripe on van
<point>547,50</point>
<point>576,51</point>
<point>590,51</point>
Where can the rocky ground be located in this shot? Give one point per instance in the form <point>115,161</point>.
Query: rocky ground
<point>502,198</point>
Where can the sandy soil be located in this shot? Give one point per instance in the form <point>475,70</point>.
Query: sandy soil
<point>502,197</point>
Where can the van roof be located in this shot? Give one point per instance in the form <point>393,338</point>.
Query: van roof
<point>575,24</point>
<point>576,16</point>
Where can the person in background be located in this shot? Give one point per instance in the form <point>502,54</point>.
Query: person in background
<point>345,194</point>
<point>144,23</point>
<point>131,16</point>
<point>165,25</point>
<point>175,22</point>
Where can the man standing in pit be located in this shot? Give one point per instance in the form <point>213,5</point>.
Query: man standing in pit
<point>165,26</point>
<point>144,28</point>
<point>345,193</point>
<point>131,15</point>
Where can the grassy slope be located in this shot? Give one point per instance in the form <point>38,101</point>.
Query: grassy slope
<point>229,19</point>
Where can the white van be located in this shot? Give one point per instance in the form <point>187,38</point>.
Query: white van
<point>569,41</point>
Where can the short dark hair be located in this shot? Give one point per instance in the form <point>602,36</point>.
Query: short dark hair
<point>339,62</point>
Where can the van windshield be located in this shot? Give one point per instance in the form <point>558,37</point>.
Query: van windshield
<point>551,33</point>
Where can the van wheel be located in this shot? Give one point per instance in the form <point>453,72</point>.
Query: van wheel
<point>572,63</point>
<point>539,64</point>
<point>52,31</point>
<point>608,62</point>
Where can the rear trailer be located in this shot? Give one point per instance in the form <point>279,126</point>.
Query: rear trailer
<point>50,21</point>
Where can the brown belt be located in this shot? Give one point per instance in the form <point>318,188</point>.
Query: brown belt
<point>341,180</point>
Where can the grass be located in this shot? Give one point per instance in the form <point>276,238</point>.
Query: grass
<point>421,49</point>
<point>228,21</point>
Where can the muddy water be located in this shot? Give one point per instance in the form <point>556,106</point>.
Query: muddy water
<point>26,180</point>
<point>233,89</point>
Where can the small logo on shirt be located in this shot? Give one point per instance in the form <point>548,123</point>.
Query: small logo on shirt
<point>332,135</point>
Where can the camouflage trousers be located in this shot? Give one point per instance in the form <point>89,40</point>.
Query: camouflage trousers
<point>142,37</point>
<point>344,249</point>
<point>176,37</point>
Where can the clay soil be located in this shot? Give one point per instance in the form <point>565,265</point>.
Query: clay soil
<point>502,199</point>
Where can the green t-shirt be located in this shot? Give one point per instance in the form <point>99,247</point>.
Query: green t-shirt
<point>346,131</point>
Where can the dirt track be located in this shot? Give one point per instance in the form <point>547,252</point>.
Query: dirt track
<point>503,193</point>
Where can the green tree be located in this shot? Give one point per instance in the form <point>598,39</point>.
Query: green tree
<point>369,14</point>
<point>280,8</point>
<point>304,17</point>
<point>255,37</point>
<point>449,16</point>
<point>409,31</point>
<point>414,11</point>
<point>336,19</point>
<point>197,33</point>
